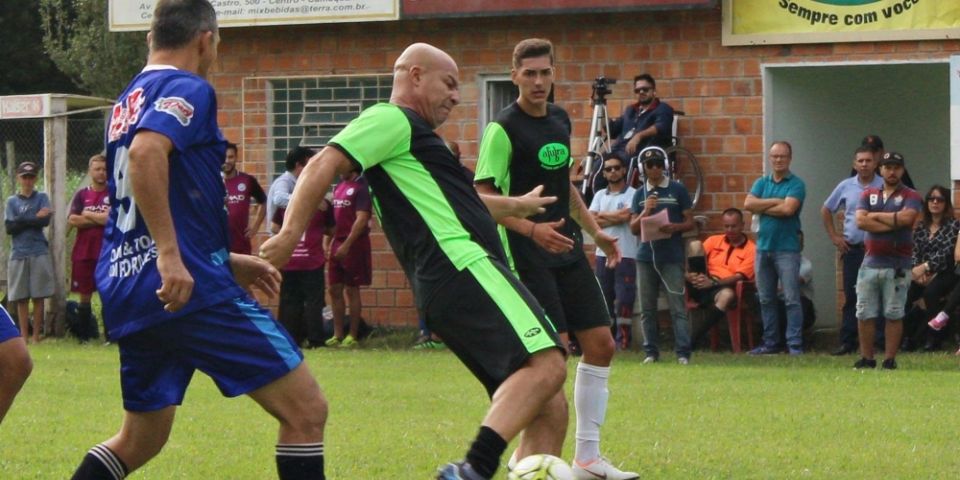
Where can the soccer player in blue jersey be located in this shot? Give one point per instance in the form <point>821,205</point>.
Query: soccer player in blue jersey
<point>15,363</point>
<point>173,297</point>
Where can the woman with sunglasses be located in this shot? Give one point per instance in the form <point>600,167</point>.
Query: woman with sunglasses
<point>934,243</point>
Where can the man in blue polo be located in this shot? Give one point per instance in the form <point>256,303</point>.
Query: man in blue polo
<point>849,242</point>
<point>777,199</point>
<point>887,215</point>
<point>648,122</point>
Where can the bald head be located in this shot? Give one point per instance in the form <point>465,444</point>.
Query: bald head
<point>426,79</point>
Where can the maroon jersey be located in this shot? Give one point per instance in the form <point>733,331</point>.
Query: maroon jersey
<point>89,240</point>
<point>350,197</point>
<point>241,190</point>
<point>308,254</point>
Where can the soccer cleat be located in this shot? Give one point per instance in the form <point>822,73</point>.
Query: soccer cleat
<point>890,364</point>
<point>458,471</point>
<point>332,342</point>
<point>865,363</point>
<point>349,342</point>
<point>600,469</point>
<point>430,345</point>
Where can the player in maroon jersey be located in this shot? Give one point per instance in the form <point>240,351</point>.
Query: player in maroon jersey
<point>242,189</point>
<point>88,213</point>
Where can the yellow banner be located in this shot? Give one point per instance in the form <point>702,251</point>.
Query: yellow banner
<point>837,16</point>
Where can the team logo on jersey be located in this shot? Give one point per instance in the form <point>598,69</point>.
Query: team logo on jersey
<point>553,156</point>
<point>898,200</point>
<point>242,187</point>
<point>874,198</point>
<point>125,113</point>
<point>533,332</point>
<point>178,107</point>
<point>350,191</point>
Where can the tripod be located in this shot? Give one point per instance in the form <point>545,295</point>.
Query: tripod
<point>599,132</point>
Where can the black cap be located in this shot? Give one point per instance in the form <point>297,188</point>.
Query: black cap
<point>27,169</point>
<point>891,158</point>
<point>653,154</point>
<point>873,142</point>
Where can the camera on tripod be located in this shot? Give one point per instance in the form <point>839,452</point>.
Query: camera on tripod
<point>601,88</point>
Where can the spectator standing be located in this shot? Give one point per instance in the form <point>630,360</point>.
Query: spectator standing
<point>88,214</point>
<point>875,145</point>
<point>933,278</point>
<point>30,270</point>
<point>648,122</point>
<point>302,292</point>
<point>242,190</point>
<point>350,262</point>
<point>887,215</point>
<point>282,187</point>
<point>729,258</point>
<point>610,207</point>
<point>777,199</point>
<point>849,242</point>
<point>660,262</point>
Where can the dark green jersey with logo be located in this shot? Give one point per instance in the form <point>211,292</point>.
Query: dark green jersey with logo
<point>432,216</point>
<point>519,152</point>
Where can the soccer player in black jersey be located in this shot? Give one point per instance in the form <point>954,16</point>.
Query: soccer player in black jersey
<point>529,144</point>
<point>444,236</point>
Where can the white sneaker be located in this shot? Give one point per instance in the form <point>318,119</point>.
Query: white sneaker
<point>650,359</point>
<point>600,469</point>
<point>683,361</point>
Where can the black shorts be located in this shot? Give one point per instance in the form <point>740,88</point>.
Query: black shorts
<point>570,294</point>
<point>490,321</point>
<point>706,297</point>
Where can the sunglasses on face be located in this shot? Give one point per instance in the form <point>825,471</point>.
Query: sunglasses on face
<point>936,199</point>
<point>612,168</point>
<point>642,89</point>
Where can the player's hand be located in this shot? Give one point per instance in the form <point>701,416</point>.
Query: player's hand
<point>340,252</point>
<point>532,203</point>
<point>250,271</point>
<point>650,203</point>
<point>609,245</point>
<point>547,237</point>
<point>43,212</point>
<point>841,243</point>
<point>176,283</point>
<point>633,144</point>
<point>249,232</point>
<point>669,228</point>
<point>278,248</point>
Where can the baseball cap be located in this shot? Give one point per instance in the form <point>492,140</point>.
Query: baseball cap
<point>891,158</point>
<point>654,155</point>
<point>27,168</point>
<point>872,141</point>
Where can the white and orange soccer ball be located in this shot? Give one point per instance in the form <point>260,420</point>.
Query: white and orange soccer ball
<point>541,467</point>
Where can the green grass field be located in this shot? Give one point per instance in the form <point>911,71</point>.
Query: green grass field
<point>398,414</point>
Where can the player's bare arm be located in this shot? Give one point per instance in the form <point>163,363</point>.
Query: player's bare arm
<point>359,225</point>
<point>545,234</point>
<point>311,187</point>
<point>150,179</point>
<point>523,206</point>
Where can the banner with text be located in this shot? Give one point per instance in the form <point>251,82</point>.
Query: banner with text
<point>747,22</point>
<point>131,16</point>
<point>460,8</point>
<point>955,117</point>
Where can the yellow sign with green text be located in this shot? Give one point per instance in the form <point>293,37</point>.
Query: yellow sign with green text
<point>805,21</point>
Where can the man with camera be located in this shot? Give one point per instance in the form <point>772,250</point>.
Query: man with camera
<point>648,122</point>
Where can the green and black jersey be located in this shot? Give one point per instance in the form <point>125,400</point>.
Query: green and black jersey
<point>432,216</point>
<point>520,152</point>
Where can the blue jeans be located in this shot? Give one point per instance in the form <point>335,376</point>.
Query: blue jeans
<point>773,269</point>
<point>670,277</point>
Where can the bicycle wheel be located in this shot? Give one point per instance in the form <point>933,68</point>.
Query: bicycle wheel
<point>685,169</point>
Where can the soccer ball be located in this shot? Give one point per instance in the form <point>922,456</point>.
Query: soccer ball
<point>541,467</point>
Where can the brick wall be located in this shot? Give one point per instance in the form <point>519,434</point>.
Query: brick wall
<point>719,88</point>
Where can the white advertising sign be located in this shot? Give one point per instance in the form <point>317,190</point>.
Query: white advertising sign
<point>126,15</point>
<point>955,117</point>
<point>24,106</point>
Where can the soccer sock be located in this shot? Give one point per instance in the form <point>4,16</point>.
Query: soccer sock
<point>85,312</point>
<point>101,463</point>
<point>484,454</point>
<point>590,401</point>
<point>300,461</point>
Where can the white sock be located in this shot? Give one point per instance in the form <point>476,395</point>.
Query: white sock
<point>590,401</point>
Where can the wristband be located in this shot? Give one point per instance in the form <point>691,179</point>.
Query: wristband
<point>894,219</point>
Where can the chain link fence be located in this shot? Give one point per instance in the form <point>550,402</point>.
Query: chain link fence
<point>22,140</point>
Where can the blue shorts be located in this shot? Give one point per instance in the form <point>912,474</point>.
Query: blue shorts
<point>8,329</point>
<point>237,343</point>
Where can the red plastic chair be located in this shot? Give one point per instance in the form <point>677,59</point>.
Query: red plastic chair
<point>735,318</point>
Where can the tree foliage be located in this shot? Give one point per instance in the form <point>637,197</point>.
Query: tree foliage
<point>76,36</point>
<point>24,67</point>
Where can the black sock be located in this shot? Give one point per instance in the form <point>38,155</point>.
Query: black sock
<point>484,454</point>
<point>85,312</point>
<point>100,463</point>
<point>300,461</point>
